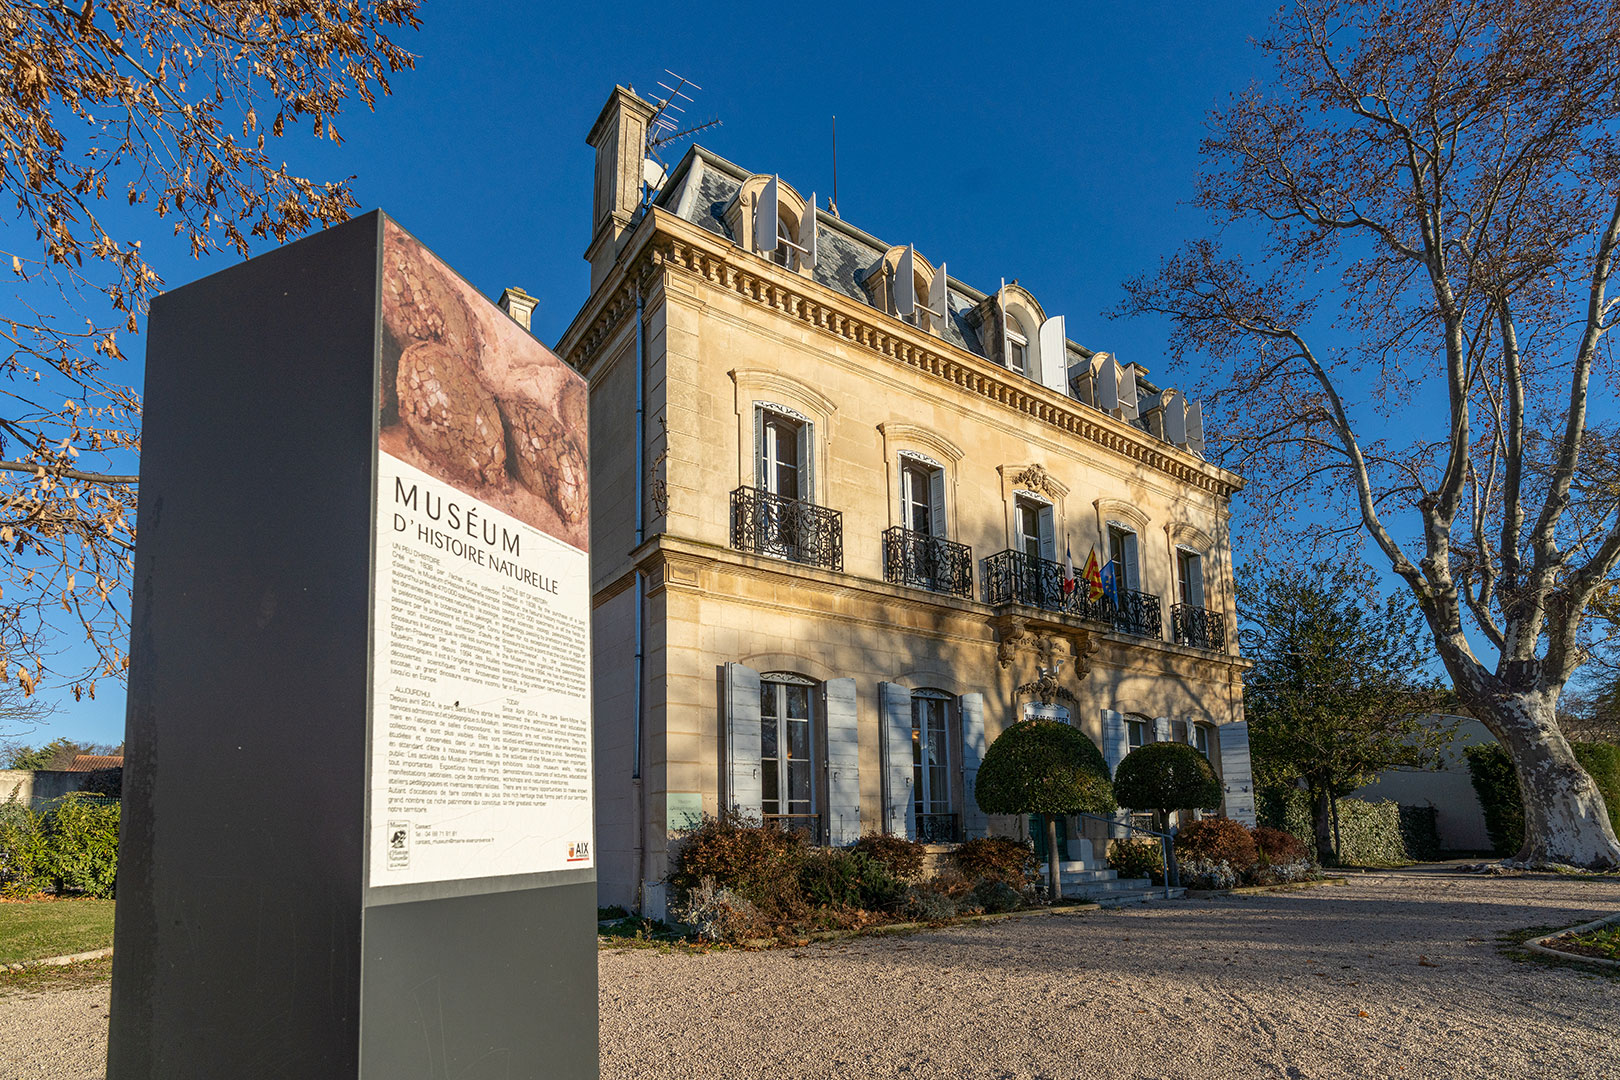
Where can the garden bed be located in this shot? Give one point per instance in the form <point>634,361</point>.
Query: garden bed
<point>1596,942</point>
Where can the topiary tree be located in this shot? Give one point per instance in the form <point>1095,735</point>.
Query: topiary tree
<point>1166,776</point>
<point>1048,768</point>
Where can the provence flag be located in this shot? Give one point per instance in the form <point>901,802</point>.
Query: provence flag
<point>1094,588</point>
<point>1110,587</point>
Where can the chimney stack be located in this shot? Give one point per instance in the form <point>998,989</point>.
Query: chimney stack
<point>619,137</point>
<point>518,304</point>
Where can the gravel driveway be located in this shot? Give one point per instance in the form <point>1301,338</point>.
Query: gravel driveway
<point>1396,974</point>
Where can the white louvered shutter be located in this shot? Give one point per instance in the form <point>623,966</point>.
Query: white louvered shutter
<point>745,792</point>
<point>1048,535</point>
<point>1132,581</point>
<point>899,809</point>
<point>1236,776</point>
<point>843,762</point>
<point>1161,730</point>
<point>1116,741</point>
<point>936,502</point>
<point>1054,355</point>
<point>975,822</point>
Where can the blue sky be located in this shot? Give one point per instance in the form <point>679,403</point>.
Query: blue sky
<point>1054,145</point>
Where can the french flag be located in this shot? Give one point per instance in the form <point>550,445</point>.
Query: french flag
<point>1068,569</point>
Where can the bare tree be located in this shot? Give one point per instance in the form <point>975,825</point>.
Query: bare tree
<point>109,111</point>
<point>1433,189</point>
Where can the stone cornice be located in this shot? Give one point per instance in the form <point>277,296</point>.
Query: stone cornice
<point>663,241</point>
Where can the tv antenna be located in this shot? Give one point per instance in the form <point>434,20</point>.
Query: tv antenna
<point>666,125</point>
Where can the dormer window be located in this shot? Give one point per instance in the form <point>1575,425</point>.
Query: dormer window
<point>783,255</point>
<point>1017,349</point>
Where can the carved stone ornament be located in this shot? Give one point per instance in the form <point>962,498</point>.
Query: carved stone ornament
<point>1036,478</point>
<point>1009,632</point>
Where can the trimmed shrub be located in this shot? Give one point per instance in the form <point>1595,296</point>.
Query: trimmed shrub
<point>1217,840</point>
<point>1166,776</point>
<point>845,877</point>
<point>1276,846</point>
<point>1137,859</point>
<point>1420,831</point>
<point>1044,767</point>
<point>1002,857</point>
<point>757,862</point>
<point>904,858</point>
<point>1497,786</point>
<point>1370,833</point>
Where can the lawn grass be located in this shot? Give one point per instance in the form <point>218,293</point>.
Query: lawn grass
<point>33,930</point>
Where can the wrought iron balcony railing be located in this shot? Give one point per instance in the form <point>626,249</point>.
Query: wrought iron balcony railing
<point>787,528</point>
<point>927,562</point>
<point>806,825</point>
<point>939,828</point>
<point>1013,577</point>
<point>1138,613</point>
<point>1198,626</point>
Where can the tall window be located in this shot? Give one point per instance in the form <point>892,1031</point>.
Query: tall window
<point>1033,520</point>
<point>930,759</point>
<point>787,772</point>
<point>1190,578</point>
<point>1122,553</point>
<point>1200,738</point>
<point>783,448</point>
<point>922,496</point>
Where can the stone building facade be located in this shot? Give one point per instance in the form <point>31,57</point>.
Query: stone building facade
<point>832,492</point>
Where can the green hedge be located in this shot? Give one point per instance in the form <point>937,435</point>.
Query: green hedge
<point>1370,833</point>
<point>71,846</point>
<point>1497,786</point>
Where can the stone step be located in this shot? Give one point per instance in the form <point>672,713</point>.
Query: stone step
<point>1090,874</point>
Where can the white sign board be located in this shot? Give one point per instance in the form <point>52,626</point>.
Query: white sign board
<point>480,681</point>
<point>1035,710</point>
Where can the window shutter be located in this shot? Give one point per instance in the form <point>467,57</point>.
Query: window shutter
<point>974,821</point>
<point>1048,537</point>
<point>745,792</point>
<point>759,448</point>
<point>1195,581</point>
<point>1131,581</point>
<point>807,462</point>
<point>1116,739</point>
<point>1054,355</point>
<point>1161,730</point>
<point>1127,393</point>
<point>936,502</point>
<point>899,811</point>
<point>1236,778</point>
<point>843,762</point>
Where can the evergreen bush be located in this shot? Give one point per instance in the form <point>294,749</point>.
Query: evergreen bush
<point>83,845</point>
<point>1141,858</point>
<point>1420,831</point>
<point>1166,776</point>
<point>845,877</point>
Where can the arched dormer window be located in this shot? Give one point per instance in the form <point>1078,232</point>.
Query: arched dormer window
<point>1017,345</point>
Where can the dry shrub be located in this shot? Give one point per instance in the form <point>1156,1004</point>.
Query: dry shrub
<point>756,862</point>
<point>1001,857</point>
<point>904,858</point>
<point>1278,847</point>
<point>1218,840</point>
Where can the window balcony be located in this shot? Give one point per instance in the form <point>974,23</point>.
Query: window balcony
<point>927,562</point>
<point>1014,577</point>
<point>939,828</point>
<point>1138,613</point>
<point>1198,626</point>
<point>791,529</point>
